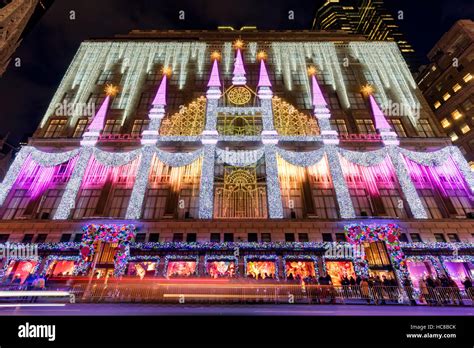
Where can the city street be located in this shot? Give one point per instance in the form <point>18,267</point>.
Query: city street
<point>247,310</point>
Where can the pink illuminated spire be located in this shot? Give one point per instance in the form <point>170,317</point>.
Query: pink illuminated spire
<point>97,123</point>
<point>239,69</point>
<point>160,98</point>
<point>214,80</point>
<point>263,80</point>
<point>318,98</point>
<point>379,117</point>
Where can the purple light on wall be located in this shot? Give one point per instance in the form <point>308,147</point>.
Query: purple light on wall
<point>371,177</point>
<point>97,174</point>
<point>36,179</point>
<point>444,177</point>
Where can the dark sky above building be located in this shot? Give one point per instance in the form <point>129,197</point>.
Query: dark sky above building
<point>49,47</point>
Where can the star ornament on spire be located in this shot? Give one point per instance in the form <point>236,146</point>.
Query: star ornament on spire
<point>312,70</point>
<point>111,90</point>
<point>216,55</point>
<point>167,70</point>
<point>262,55</point>
<point>238,44</point>
<point>367,90</point>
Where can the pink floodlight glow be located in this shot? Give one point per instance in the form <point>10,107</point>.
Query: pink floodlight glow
<point>36,179</point>
<point>97,174</point>
<point>263,80</point>
<point>239,69</point>
<point>214,80</point>
<point>97,123</point>
<point>374,177</point>
<point>445,177</point>
<point>379,117</point>
<point>160,97</point>
<point>318,98</point>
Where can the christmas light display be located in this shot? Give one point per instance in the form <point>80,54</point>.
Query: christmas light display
<point>51,259</point>
<point>120,234</point>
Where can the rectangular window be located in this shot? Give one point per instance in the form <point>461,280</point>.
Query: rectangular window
<point>177,237</point>
<point>456,87</point>
<point>252,237</point>
<point>365,126</point>
<point>228,237</point>
<point>439,237</point>
<point>339,126</point>
<point>303,237</point>
<point>112,127</point>
<point>456,114</point>
<point>415,237</point>
<point>191,237</point>
<point>27,238</point>
<point>446,96</point>
<point>4,238</point>
<point>215,237</point>
<point>424,129</point>
<point>65,237</point>
<point>80,127</point>
<point>467,77</point>
<point>327,237</point>
<point>105,77</point>
<point>465,128</point>
<point>398,127</point>
<point>139,126</point>
<point>154,237</point>
<point>140,238</point>
<point>437,104</point>
<point>78,237</point>
<point>266,237</point>
<point>340,237</point>
<point>289,237</point>
<point>453,136</point>
<point>453,237</point>
<point>55,128</point>
<point>445,123</point>
<point>403,238</point>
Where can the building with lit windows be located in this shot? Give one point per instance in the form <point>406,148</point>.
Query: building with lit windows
<point>237,153</point>
<point>363,17</point>
<point>447,83</point>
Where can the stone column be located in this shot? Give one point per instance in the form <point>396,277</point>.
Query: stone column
<point>408,188</point>
<point>206,192</point>
<point>13,172</point>
<point>68,200</point>
<point>275,206</point>
<point>135,205</point>
<point>346,208</point>
<point>463,166</point>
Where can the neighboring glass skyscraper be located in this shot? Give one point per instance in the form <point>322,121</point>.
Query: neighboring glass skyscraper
<point>364,17</point>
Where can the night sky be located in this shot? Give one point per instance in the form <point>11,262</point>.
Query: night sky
<point>49,47</point>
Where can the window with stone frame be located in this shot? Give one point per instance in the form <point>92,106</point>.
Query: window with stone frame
<point>55,128</point>
<point>424,129</point>
<point>139,126</point>
<point>86,203</point>
<point>81,127</point>
<point>112,127</point>
<point>365,126</point>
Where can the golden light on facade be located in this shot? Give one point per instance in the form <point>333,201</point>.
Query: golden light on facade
<point>262,55</point>
<point>111,90</point>
<point>367,89</point>
<point>216,55</point>
<point>166,70</point>
<point>312,70</point>
<point>238,44</point>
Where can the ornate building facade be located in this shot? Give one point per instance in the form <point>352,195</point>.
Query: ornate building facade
<point>251,148</point>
